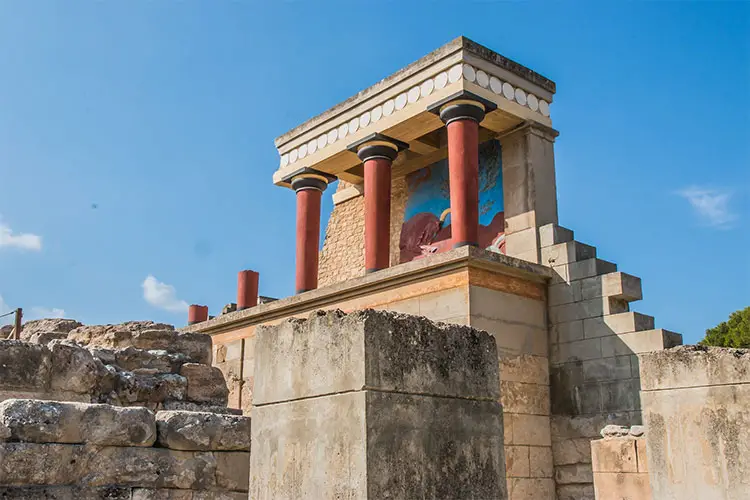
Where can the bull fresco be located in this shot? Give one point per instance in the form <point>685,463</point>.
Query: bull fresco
<point>427,230</point>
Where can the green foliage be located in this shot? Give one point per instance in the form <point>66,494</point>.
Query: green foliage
<point>732,333</point>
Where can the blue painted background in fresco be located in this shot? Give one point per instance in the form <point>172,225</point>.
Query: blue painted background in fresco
<point>429,191</point>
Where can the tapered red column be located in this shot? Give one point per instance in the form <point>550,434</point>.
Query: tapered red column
<point>309,189</point>
<point>247,289</point>
<point>377,152</point>
<point>197,314</point>
<point>462,119</point>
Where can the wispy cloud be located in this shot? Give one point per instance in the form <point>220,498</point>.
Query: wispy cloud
<point>39,312</point>
<point>162,295</point>
<point>24,241</point>
<point>711,205</point>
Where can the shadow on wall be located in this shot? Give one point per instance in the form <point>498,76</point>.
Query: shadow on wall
<point>426,229</point>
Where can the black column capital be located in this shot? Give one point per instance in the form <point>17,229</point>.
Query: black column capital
<point>463,105</point>
<point>308,178</point>
<point>377,146</point>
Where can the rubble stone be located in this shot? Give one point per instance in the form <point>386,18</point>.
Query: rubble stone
<point>74,369</point>
<point>24,365</point>
<point>39,327</point>
<point>37,421</point>
<point>197,431</point>
<point>205,384</point>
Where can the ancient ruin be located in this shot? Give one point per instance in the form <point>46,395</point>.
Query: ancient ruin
<point>449,339</point>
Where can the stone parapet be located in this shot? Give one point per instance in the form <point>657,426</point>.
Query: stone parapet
<point>401,407</point>
<point>619,464</point>
<point>51,449</point>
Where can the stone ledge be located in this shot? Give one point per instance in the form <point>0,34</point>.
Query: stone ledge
<point>694,366</point>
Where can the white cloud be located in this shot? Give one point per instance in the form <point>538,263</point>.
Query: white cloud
<point>711,205</point>
<point>25,241</point>
<point>163,296</point>
<point>39,312</point>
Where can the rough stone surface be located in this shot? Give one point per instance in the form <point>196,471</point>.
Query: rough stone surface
<point>40,327</point>
<point>74,369</point>
<point>24,365</point>
<point>205,384</point>
<point>406,353</point>
<point>376,405</point>
<point>187,430</point>
<point>696,411</point>
<point>37,421</point>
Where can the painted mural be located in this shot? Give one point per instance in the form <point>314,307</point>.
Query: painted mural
<point>427,229</point>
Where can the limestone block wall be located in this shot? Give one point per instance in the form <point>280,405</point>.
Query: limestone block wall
<point>594,342</point>
<point>376,405</point>
<point>343,254</point>
<point>620,465</point>
<point>696,406</point>
<point>121,365</point>
<point>80,451</point>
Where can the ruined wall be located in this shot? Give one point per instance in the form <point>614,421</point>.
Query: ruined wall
<point>343,254</point>
<point>696,406</point>
<point>80,451</point>
<point>620,465</point>
<point>134,364</point>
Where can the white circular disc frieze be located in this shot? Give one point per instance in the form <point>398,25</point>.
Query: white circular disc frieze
<point>343,130</point>
<point>376,113</point>
<point>293,156</point>
<point>364,119</point>
<point>427,87</point>
<point>401,101</point>
<point>332,136</point>
<point>302,151</point>
<point>543,107</point>
<point>469,73</point>
<point>496,85</point>
<point>441,80</point>
<point>454,74</point>
<point>312,146</point>
<point>413,95</point>
<point>533,102</point>
<point>284,160</point>
<point>322,141</point>
<point>521,97</point>
<point>508,91</point>
<point>483,79</point>
<point>388,107</point>
<point>353,125</point>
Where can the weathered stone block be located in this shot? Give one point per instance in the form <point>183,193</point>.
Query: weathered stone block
<point>205,384</point>
<point>585,269</point>
<point>566,332</point>
<point>618,486</point>
<point>531,489</point>
<point>64,492</point>
<point>617,323</point>
<point>405,353</point>
<point>602,369</point>
<point>148,390</point>
<point>56,422</point>
<point>579,350</point>
<point>573,474</point>
<point>564,293</point>
<point>621,395</point>
<point>233,470</point>
<point>517,461</point>
<point>74,368</point>
<point>565,253</point>
<point>617,285</point>
<point>693,366</point>
<point>187,430</point>
<point>614,455</point>
<point>24,365</point>
<point>592,308</point>
<point>571,451</point>
<point>639,342</point>
<point>40,327</point>
<point>28,464</point>
<point>576,492</point>
<point>552,234</point>
<point>531,430</point>
<point>540,461</point>
<point>518,397</point>
<point>526,368</point>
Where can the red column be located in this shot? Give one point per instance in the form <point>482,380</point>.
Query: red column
<point>247,289</point>
<point>308,238</point>
<point>463,171</point>
<point>377,213</point>
<point>197,314</point>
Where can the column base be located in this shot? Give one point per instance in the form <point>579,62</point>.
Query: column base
<point>464,244</point>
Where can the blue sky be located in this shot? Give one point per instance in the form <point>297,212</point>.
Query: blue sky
<point>136,140</point>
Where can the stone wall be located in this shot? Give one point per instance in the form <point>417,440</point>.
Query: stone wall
<point>376,405</point>
<point>620,465</point>
<point>134,364</point>
<point>343,254</point>
<point>696,406</point>
<point>594,343</point>
<point>67,451</point>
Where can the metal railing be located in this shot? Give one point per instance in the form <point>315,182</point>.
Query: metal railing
<point>18,324</point>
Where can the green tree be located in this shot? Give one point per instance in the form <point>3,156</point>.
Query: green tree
<point>734,332</point>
